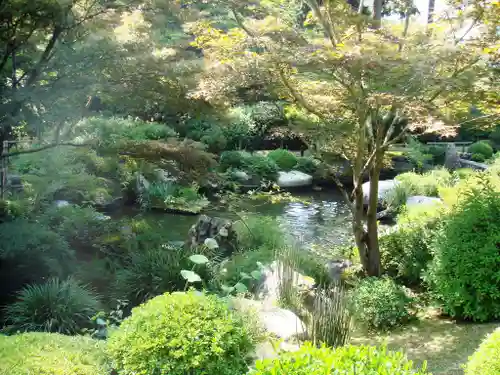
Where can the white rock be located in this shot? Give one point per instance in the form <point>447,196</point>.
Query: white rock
<point>240,175</point>
<point>384,189</point>
<point>61,203</point>
<point>282,323</point>
<point>422,200</point>
<point>294,179</point>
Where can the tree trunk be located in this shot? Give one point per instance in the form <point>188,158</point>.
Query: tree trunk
<point>371,220</point>
<point>377,13</point>
<point>430,11</point>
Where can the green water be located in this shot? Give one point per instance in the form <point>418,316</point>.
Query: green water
<point>322,218</point>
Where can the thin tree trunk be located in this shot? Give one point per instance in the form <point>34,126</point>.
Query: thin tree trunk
<point>371,220</point>
<point>377,13</point>
<point>430,11</point>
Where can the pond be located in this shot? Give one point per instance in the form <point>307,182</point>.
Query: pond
<point>320,218</point>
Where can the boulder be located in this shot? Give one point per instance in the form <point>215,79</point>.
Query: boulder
<point>422,200</point>
<point>241,176</point>
<point>294,179</point>
<point>335,268</point>
<point>219,229</point>
<point>385,187</point>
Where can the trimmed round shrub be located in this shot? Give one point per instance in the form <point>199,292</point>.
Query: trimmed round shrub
<point>262,167</point>
<point>486,359</point>
<point>379,303</point>
<point>465,272</point>
<point>51,354</point>
<point>350,359</point>
<point>478,157</point>
<point>482,148</point>
<point>233,159</point>
<point>181,333</point>
<point>283,158</point>
<point>56,306</point>
<point>306,165</point>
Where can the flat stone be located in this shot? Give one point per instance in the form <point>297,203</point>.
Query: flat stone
<point>384,189</point>
<point>294,179</point>
<point>282,323</point>
<point>422,200</point>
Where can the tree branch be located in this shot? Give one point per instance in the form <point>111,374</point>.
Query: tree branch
<point>46,147</point>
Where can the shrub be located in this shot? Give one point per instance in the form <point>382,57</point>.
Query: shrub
<point>406,252</point>
<point>359,360</point>
<point>486,359</point>
<point>51,354</point>
<point>233,159</point>
<point>262,167</point>
<point>283,158</point>
<point>379,303</point>
<point>181,333</point>
<point>55,306</point>
<point>306,165</point>
<point>426,184</point>
<point>478,157</point>
<point>259,231</point>
<point>149,273</point>
<point>481,148</point>
<point>465,272</point>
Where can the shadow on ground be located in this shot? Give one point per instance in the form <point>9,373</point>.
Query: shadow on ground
<point>445,344</point>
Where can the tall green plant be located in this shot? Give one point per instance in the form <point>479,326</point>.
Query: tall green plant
<point>55,306</point>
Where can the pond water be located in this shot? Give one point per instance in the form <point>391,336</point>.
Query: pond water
<point>319,218</point>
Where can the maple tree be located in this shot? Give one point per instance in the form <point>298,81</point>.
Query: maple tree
<point>356,87</point>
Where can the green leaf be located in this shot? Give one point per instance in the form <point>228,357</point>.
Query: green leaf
<point>227,289</point>
<point>190,276</point>
<point>198,259</point>
<point>257,275</point>
<point>245,276</point>
<point>240,288</point>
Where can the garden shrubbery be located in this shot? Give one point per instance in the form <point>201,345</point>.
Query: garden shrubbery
<point>481,149</point>
<point>406,252</point>
<point>350,359</point>
<point>486,359</point>
<point>465,272</point>
<point>283,158</point>
<point>51,354</point>
<point>379,303</point>
<point>182,333</point>
<point>55,306</point>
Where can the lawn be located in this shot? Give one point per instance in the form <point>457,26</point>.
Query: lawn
<point>443,343</point>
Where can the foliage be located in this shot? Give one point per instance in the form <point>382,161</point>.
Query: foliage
<point>283,158</point>
<point>426,184</point>
<point>233,159</point>
<point>149,273</point>
<point>464,273</point>
<point>51,353</point>
<point>406,252</point>
<point>262,167</point>
<point>350,359</point>
<point>482,148</point>
<point>55,306</point>
<point>486,359</point>
<point>31,251</point>
<point>181,333</point>
<point>478,157</point>
<point>259,231</point>
<point>379,303</point>
<point>306,165</point>
<point>168,195</point>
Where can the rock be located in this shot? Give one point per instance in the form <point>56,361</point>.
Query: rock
<point>422,200</point>
<point>335,268</point>
<point>215,228</point>
<point>241,176</point>
<point>266,350</point>
<point>141,184</point>
<point>294,179</point>
<point>384,189</point>
<point>15,183</point>
<point>272,277</point>
<point>165,176</point>
<point>61,203</point>
<point>452,159</point>
<point>282,323</point>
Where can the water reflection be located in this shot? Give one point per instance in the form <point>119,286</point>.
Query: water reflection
<point>321,218</point>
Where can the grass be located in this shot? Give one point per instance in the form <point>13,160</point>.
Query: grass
<point>445,344</point>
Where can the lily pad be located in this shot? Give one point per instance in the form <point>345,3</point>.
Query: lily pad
<point>190,276</point>
<point>198,259</point>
